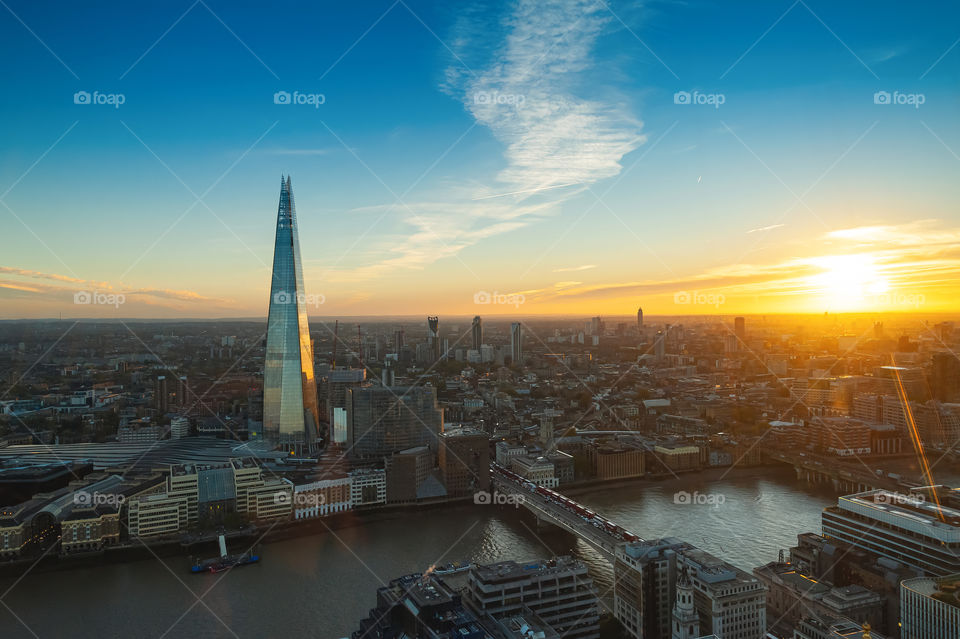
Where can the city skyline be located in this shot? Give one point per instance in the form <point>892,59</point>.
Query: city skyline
<point>602,166</point>
<point>599,319</point>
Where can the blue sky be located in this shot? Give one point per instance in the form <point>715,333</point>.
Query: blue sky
<point>535,148</point>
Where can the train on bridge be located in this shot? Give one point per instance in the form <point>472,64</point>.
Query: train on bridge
<point>587,515</point>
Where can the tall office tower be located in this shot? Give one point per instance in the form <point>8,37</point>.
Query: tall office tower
<point>382,421</point>
<point>930,608</point>
<point>945,376</point>
<point>182,393</point>
<point>686,621</point>
<point>433,336</point>
<point>398,339</point>
<point>291,414</point>
<point>740,328</point>
<point>640,319</point>
<point>477,332</point>
<point>596,326</point>
<point>660,346</point>
<point>516,343</point>
<point>645,578</point>
<point>161,396</point>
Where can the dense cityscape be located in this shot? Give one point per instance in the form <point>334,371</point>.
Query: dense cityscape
<point>126,439</point>
<point>502,375</point>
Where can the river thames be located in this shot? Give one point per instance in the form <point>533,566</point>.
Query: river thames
<point>320,586</point>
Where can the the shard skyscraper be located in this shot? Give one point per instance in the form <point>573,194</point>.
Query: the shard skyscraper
<point>290,412</point>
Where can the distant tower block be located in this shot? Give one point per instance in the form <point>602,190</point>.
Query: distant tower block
<point>433,336</point>
<point>640,319</point>
<point>477,333</point>
<point>516,343</point>
<point>740,328</point>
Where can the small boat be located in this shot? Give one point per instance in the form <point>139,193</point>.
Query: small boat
<point>224,561</point>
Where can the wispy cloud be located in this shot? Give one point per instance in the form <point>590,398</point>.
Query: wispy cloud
<point>765,228</point>
<point>56,287</point>
<point>572,269</point>
<point>529,65</point>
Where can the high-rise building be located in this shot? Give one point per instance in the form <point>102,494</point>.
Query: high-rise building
<point>182,393</point>
<point>477,333</point>
<point>740,328</point>
<point>433,337</point>
<point>930,608</point>
<point>640,319</point>
<point>382,421</point>
<point>291,415</point>
<point>945,376</point>
<point>596,326</point>
<point>161,396</point>
<point>645,577</point>
<point>727,601</point>
<point>516,343</point>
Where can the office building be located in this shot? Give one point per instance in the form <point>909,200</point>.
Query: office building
<point>368,487</point>
<point>464,459</point>
<point>645,577</point>
<point>476,332</point>
<point>640,320</point>
<point>183,394</point>
<point>539,470</point>
<point>161,395</point>
<point>406,473</point>
<point>322,497</point>
<point>610,460</point>
<point>291,414</point>
<point>430,606</point>
<point>659,347</point>
<point>337,382</point>
<point>905,528</point>
<point>559,590</point>
<point>740,328</point>
<point>516,343</point>
<point>930,608</point>
<point>179,427</point>
<point>208,494</point>
<point>731,603</point>
<point>382,421</point>
<point>505,452</point>
<point>433,338</point>
<point>421,606</point>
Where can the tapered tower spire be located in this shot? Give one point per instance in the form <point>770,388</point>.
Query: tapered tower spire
<point>290,411</point>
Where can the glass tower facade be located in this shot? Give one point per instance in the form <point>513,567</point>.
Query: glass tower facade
<point>290,412</point>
